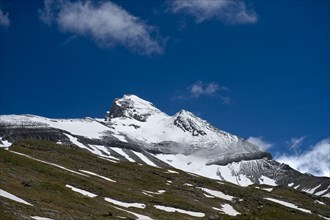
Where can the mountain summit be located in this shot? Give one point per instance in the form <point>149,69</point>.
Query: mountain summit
<point>139,121</point>
<point>135,130</point>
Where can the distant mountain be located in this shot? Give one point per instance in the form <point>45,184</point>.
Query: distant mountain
<point>135,130</point>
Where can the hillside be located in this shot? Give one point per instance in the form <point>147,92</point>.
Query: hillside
<point>43,174</point>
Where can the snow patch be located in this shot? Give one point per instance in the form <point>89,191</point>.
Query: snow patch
<point>267,181</point>
<point>266,189</point>
<point>290,184</point>
<point>40,218</point>
<point>322,192</point>
<point>287,204</point>
<point>120,137</point>
<point>10,196</point>
<point>52,164</point>
<point>5,143</point>
<point>312,190</point>
<point>326,195</point>
<point>159,192</point>
<point>227,209</point>
<point>94,174</point>
<point>122,153</point>
<point>104,158</point>
<point>101,151</point>
<point>172,171</point>
<point>319,202</point>
<point>217,194</point>
<point>125,204</point>
<point>75,141</point>
<point>145,159</point>
<point>139,216</point>
<point>171,209</point>
<point>81,191</point>
<point>208,196</point>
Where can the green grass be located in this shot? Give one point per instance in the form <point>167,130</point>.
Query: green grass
<point>44,186</point>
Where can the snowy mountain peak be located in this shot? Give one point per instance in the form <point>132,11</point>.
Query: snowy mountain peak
<point>187,121</point>
<point>131,106</point>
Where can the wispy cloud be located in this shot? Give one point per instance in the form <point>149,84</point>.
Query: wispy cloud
<point>4,19</point>
<point>200,89</point>
<point>316,160</point>
<point>296,142</point>
<point>106,23</point>
<point>227,11</point>
<point>260,142</point>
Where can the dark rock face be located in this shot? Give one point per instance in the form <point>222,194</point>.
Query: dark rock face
<point>124,108</point>
<point>187,124</point>
<point>116,111</point>
<point>17,133</point>
<point>237,158</point>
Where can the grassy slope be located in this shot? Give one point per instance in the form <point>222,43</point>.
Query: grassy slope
<point>44,186</point>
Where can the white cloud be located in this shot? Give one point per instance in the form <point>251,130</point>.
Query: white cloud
<point>199,88</point>
<point>4,19</point>
<point>106,23</point>
<point>296,142</point>
<point>227,11</point>
<point>316,160</point>
<point>260,142</point>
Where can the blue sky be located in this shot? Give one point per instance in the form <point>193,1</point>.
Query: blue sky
<point>257,69</point>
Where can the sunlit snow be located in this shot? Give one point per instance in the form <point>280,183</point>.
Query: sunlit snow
<point>5,143</point>
<point>145,159</point>
<point>8,195</point>
<point>49,163</point>
<point>171,209</point>
<point>227,209</point>
<point>287,204</point>
<point>40,218</point>
<point>81,191</point>
<point>312,190</point>
<point>125,204</point>
<point>94,174</point>
<point>217,194</point>
<point>138,216</point>
<point>122,153</point>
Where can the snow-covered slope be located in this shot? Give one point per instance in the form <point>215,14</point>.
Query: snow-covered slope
<point>141,122</point>
<point>87,127</point>
<point>135,130</point>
